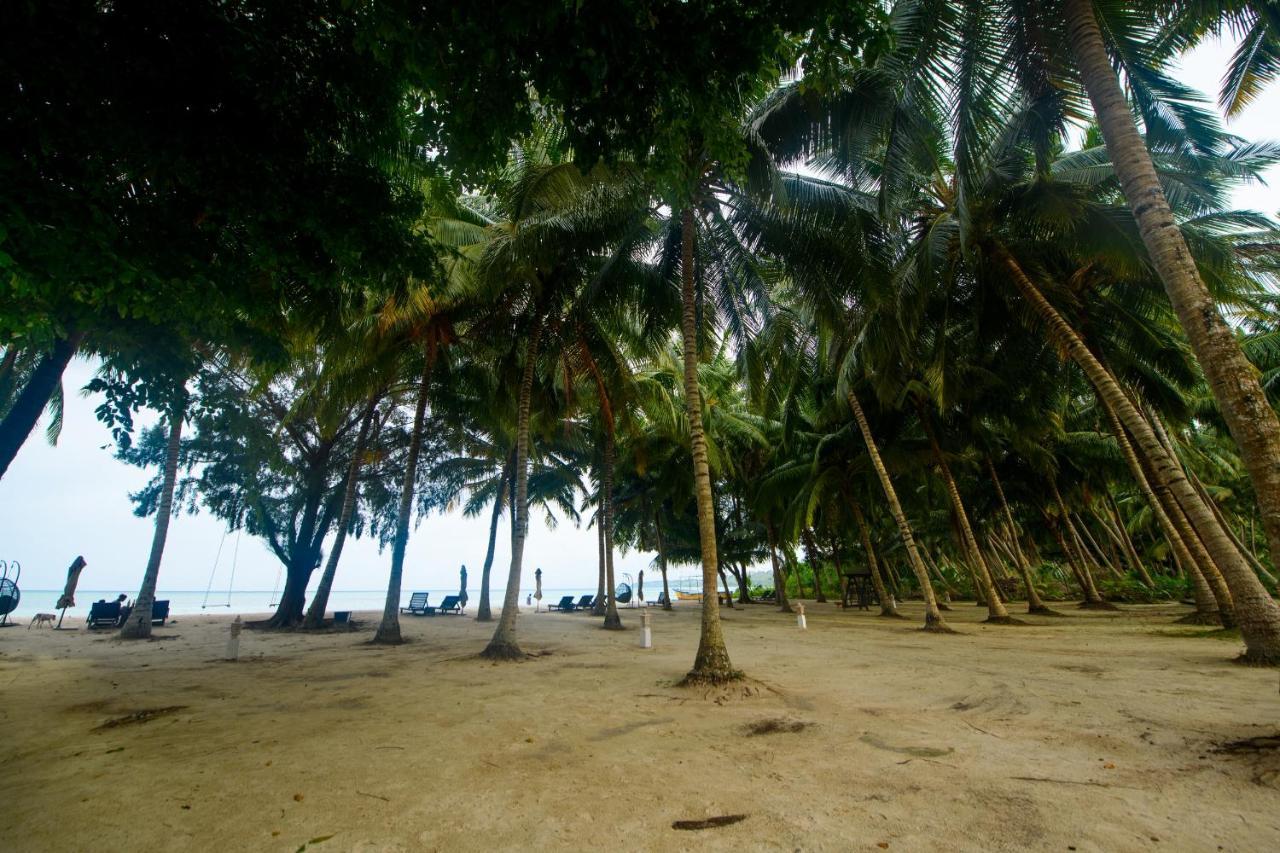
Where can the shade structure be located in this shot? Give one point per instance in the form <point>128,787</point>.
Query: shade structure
<point>462,592</point>
<point>640,586</point>
<point>68,597</point>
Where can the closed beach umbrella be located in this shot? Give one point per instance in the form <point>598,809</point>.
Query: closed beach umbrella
<point>462,595</point>
<point>640,586</point>
<point>537,585</point>
<point>68,597</point>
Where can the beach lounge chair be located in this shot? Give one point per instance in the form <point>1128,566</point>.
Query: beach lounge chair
<point>662,599</point>
<point>451,605</point>
<point>159,612</point>
<point>565,605</point>
<point>103,614</point>
<point>417,605</point>
<point>585,603</point>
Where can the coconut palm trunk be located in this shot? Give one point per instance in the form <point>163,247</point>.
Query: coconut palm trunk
<point>815,563</point>
<point>320,602</point>
<point>599,606</point>
<point>503,645</point>
<point>612,621</point>
<point>1113,524</point>
<point>888,606</point>
<point>933,620</point>
<point>1232,379</point>
<point>483,611</point>
<point>1256,612</point>
<point>1071,543</point>
<point>662,560</point>
<point>711,664</point>
<point>34,396</point>
<point>1206,603</point>
<point>1226,526</point>
<point>1035,604</point>
<point>997,613</point>
<point>138,625</point>
<point>779,579</point>
<point>388,632</point>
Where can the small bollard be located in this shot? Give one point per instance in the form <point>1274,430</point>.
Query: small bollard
<point>646,634</point>
<point>233,641</point>
<point>893,601</point>
<point>800,617</point>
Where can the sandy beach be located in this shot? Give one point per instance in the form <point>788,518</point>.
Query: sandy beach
<point>1093,732</point>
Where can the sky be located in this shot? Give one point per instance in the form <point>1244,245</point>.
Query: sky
<point>56,503</point>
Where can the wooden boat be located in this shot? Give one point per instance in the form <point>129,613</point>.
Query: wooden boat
<point>681,595</point>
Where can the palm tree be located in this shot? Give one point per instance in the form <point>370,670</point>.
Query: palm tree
<point>138,625</point>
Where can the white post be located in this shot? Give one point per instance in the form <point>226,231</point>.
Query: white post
<point>646,635</point>
<point>233,640</point>
<point>800,617</point>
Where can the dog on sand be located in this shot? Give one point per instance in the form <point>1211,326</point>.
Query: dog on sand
<point>42,618</point>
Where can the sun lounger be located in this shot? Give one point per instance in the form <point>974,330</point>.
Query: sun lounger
<point>452,605</point>
<point>159,612</point>
<point>662,599</point>
<point>585,603</point>
<point>103,614</point>
<point>565,605</point>
<point>417,605</point>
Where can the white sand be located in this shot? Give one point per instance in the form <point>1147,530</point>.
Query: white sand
<point>1094,732</point>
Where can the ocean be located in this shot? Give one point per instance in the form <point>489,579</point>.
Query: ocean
<point>187,602</point>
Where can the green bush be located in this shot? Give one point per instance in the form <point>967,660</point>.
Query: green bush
<point>1132,590</point>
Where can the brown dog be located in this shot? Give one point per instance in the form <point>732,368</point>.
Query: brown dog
<point>42,618</point>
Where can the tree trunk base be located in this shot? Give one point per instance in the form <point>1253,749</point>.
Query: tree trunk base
<point>937,626</point>
<point>503,650</point>
<point>135,631</point>
<point>1043,611</point>
<point>1199,618</point>
<point>1259,657</point>
<point>942,605</point>
<point>1097,605</point>
<point>710,678</point>
<point>1003,620</point>
<point>387,638</point>
<point>612,622</point>
<point>890,614</point>
<point>598,611</point>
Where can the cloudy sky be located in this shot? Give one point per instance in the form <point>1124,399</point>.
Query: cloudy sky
<point>58,502</point>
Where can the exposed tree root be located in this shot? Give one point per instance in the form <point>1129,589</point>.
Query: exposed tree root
<point>503,650</point>
<point>1199,618</point>
<point>380,639</point>
<point>710,678</point>
<point>1043,611</point>
<point>1097,605</point>
<point>935,626</point>
<point>1003,620</point>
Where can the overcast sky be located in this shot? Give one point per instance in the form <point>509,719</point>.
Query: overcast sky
<point>58,502</point>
